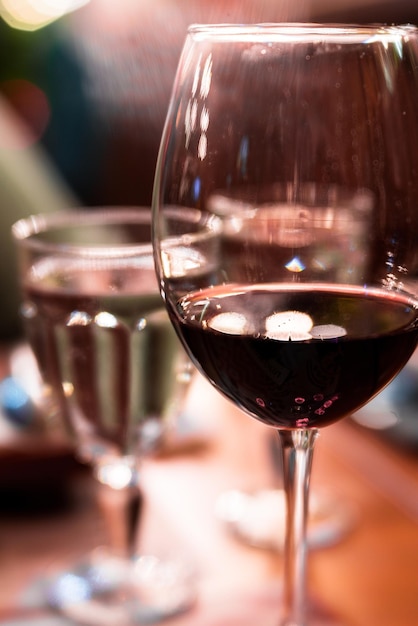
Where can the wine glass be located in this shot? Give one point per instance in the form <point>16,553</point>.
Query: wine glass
<point>310,133</point>
<point>114,370</point>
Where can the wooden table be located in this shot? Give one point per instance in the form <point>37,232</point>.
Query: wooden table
<point>370,578</point>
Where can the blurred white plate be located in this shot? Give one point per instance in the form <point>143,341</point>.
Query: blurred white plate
<point>258,518</point>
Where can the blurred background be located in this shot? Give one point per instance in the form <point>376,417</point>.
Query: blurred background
<point>84,88</point>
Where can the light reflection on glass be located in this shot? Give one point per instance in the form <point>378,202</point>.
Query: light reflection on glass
<point>70,588</point>
<point>202,147</point>
<point>203,77</point>
<point>79,318</point>
<point>328,331</point>
<point>106,320</point>
<point>289,326</point>
<point>116,474</point>
<point>295,265</point>
<point>206,78</point>
<point>230,323</point>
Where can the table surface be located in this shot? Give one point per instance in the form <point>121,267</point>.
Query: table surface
<point>369,578</point>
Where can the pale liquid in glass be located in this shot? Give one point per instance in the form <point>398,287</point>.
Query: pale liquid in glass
<point>107,352</point>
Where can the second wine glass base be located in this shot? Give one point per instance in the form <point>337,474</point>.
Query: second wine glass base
<point>260,605</point>
<point>258,518</point>
<point>111,590</point>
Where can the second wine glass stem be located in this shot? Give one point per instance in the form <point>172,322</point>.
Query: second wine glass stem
<point>120,510</point>
<point>297,451</point>
<point>120,504</point>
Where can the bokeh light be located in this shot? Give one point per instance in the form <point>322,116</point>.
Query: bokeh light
<point>33,14</point>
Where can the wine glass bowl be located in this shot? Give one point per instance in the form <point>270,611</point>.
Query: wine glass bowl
<point>113,367</point>
<point>300,140</point>
<point>302,224</point>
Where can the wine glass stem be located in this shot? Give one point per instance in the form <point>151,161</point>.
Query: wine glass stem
<point>297,451</point>
<point>120,510</point>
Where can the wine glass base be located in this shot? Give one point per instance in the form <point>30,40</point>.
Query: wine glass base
<point>258,518</point>
<point>111,590</point>
<point>256,606</point>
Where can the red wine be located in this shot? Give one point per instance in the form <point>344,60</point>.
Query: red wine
<point>298,356</point>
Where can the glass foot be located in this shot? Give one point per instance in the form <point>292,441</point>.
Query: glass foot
<point>258,518</point>
<point>108,590</point>
<point>257,606</point>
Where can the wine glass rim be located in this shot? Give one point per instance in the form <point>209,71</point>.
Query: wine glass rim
<point>302,30</point>
<point>26,230</point>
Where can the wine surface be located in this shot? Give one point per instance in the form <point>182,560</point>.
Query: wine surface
<point>294,356</point>
<point>106,348</point>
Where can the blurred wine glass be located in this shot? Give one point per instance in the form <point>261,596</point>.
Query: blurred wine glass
<point>112,366</point>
